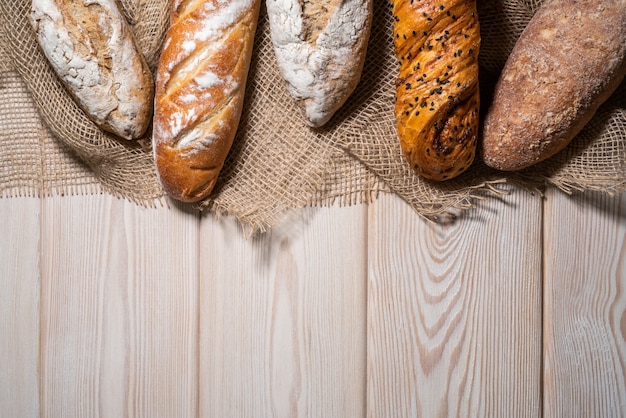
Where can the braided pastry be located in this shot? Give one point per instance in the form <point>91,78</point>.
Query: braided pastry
<point>437,99</point>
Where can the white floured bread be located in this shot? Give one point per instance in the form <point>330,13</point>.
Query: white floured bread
<point>200,88</point>
<point>93,51</point>
<point>320,47</point>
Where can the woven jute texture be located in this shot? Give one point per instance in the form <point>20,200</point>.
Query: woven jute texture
<point>277,163</point>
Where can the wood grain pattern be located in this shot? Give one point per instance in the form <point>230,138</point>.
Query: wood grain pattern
<point>108,309</point>
<point>454,319</point>
<point>585,306</point>
<point>283,317</point>
<point>19,307</point>
<point>118,309</point>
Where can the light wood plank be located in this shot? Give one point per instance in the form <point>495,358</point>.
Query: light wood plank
<point>454,310</point>
<point>119,309</point>
<point>19,307</point>
<point>585,305</point>
<point>283,317</point>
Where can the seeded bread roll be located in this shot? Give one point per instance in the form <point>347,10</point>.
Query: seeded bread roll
<point>92,49</point>
<point>200,86</point>
<point>437,99</point>
<point>567,62</point>
<point>320,47</point>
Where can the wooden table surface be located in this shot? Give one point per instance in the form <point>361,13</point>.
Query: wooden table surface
<point>516,308</point>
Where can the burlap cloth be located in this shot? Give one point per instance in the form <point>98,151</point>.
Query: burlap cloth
<point>48,146</point>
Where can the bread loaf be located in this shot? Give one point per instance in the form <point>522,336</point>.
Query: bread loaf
<point>320,48</point>
<point>200,85</point>
<point>92,49</point>
<point>437,98</point>
<point>568,60</point>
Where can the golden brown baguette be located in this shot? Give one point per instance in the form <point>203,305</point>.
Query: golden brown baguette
<point>92,49</point>
<point>437,98</point>
<point>567,62</point>
<point>200,87</point>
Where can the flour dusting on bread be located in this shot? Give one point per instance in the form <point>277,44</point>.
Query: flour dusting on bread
<point>91,48</point>
<point>320,48</point>
<point>200,86</point>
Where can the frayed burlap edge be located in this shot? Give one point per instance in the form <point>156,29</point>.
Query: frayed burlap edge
<point>278,164</point>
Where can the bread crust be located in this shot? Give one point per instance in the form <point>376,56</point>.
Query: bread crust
<point>567,62</point>
<point>200,86</point>
<point>437,43</point>
<point>320,47</point>
<point>93,51</point>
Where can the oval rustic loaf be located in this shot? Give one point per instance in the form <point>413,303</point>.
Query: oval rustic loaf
<point>91,48</point>
<point>320,49</point>
<point>570,58</point>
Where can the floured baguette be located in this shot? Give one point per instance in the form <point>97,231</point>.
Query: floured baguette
<point>437,97</point>
<point>92,49</point>
<point>320,47</point>
<point>200,87</point>
<point>570,58</point>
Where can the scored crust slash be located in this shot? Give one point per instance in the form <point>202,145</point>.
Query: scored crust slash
<point>320,48</point>
<point>200,86</point>
<point>437,96</point>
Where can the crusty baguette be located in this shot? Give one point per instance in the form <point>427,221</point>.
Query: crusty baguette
<point>93,51</point>
<point>568,61</point>
<point>200,85</point>
<point>437,98</point>
<point>320,48</point>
